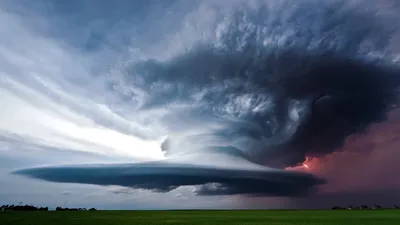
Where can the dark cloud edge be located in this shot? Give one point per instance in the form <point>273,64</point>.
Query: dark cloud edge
<point>165,177</point>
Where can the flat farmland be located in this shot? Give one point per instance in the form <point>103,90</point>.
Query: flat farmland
<point>193,217</point>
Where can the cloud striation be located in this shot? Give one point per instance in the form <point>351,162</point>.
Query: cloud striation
<point>162,176</point>
<point>263,82</point>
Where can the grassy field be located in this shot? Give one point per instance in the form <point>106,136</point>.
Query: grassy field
<point>381,217</point>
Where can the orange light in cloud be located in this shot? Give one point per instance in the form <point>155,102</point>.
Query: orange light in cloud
<point>308,164</point>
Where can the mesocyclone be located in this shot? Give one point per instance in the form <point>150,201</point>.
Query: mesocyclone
<point>285,79</point>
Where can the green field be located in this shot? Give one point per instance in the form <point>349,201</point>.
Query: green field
<point>378,217</point>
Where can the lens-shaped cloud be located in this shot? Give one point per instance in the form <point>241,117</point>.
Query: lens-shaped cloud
<point>235,175</point>
<point>278,81</point>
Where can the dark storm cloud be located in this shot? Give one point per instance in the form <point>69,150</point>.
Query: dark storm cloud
<point>279,81</point>
<point>164,177</point>
<point>290,82</point>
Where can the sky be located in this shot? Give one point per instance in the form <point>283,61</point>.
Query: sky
<point>199,104</point>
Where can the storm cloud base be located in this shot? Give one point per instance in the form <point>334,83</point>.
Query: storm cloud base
<point>164,177</point>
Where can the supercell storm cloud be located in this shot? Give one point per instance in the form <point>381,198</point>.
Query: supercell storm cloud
<point>283,82</point>
<point>260,85</point>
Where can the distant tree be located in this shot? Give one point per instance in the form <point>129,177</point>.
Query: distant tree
<point>34,208</point>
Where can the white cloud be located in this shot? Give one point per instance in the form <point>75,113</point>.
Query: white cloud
<point>50,96</point>
<point>66,193</point>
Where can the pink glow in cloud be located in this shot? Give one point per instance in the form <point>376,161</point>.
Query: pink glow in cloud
<point>366,162</point>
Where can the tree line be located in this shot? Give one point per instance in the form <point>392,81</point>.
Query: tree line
<point>35,208</point>
<point>362,207</point>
